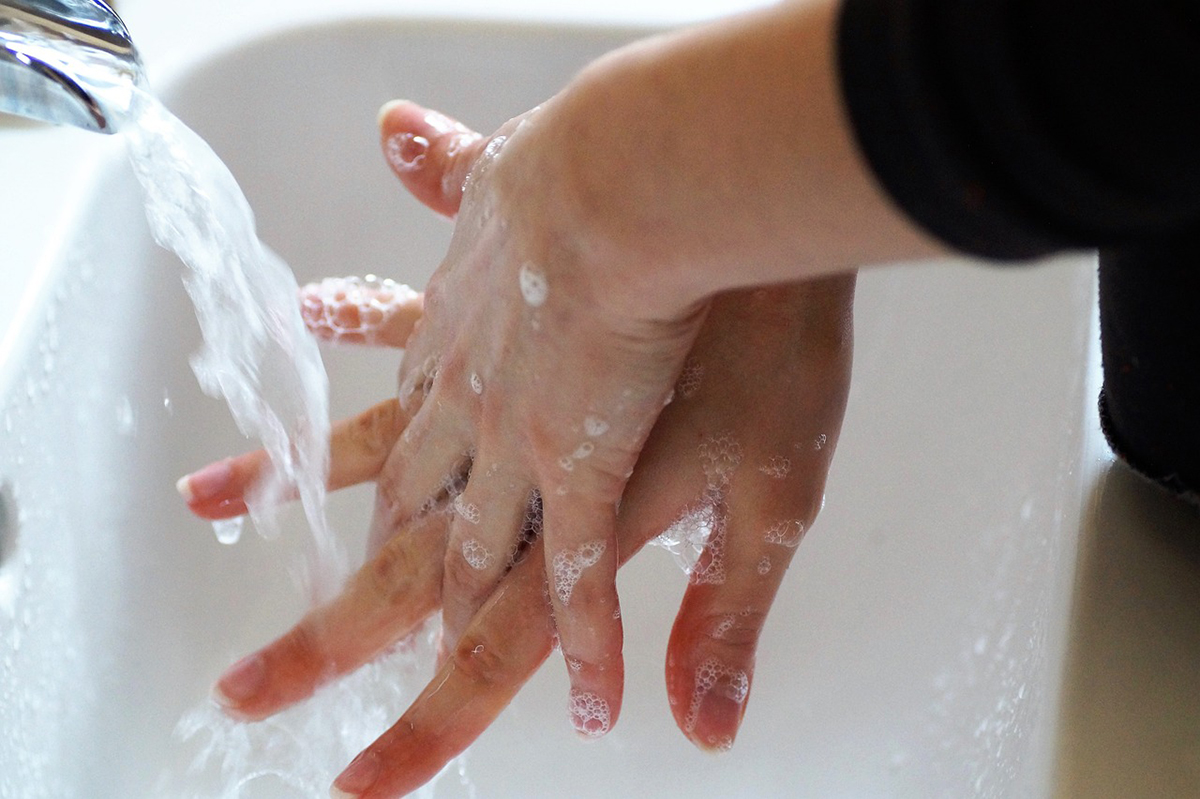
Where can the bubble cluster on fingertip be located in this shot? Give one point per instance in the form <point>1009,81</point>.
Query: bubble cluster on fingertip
<point>764,565</point>
<point>535,288</point>
<point>786,533</point>
<point>573,663</point>
<point>476,555</point>
<point>353,309</point>
<point>406,151</point>
<point>467,511</point>
<point>690,379</point>
<point>777,467</point>
<point>820,441</point>
<point>590,714</point>
<point>723,743</point>
<point>713,676</point>
<point>569,567</point>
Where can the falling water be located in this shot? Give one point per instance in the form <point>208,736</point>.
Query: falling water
<point>257,354</point>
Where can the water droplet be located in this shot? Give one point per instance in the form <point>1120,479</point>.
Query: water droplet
<point>229,531</point>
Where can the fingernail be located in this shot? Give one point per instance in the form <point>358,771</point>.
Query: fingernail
<point>358,777</point>
<point>206,483</point>
<point>386,109</point>
<point>718,705</point>
<point>240,682</point>
<point>590,714</point>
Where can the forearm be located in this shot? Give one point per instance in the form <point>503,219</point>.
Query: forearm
<point>721,156</point>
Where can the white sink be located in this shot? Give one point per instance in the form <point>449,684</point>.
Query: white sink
<point>917,649</point>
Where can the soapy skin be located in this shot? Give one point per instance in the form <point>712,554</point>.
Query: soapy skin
<point>646,215</point>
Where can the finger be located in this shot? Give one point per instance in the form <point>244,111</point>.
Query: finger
<point>386,600</point>
<point>430,153</point>
<point>358,448</point>
<point>497,653</point>
<point>710,655</point>
<point>351,310</point>
<point>489,516</point>
<point>581,561</point>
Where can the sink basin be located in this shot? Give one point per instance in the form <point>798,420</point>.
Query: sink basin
<point>916,650</point>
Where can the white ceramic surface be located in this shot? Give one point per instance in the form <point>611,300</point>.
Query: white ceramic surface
<point>917,649</point>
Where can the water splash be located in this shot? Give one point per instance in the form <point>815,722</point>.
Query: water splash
<point>257,353</point>
<point>300,751</point>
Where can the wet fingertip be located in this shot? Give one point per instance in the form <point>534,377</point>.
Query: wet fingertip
<point>358,777</point>
<point>387,108</point>
<point>206,483</point>
<point>591,714</point>
<point>240,683</point>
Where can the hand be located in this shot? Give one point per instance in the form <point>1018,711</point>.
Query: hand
<point>526,382</point>
<point>746,444</point>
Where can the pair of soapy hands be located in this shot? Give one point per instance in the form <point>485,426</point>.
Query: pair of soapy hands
<point>551,420</point>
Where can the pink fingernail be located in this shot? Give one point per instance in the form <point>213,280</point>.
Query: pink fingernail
<point>241,681</point>
<point>358,777</point>
<point>718,703</point>
<point>590,714</point>
<point>206,483</point>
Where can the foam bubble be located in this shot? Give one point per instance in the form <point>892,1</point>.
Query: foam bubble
<point>467,511</point>
<point>476,383</point>
<point>715,677</point>
<point>710,567</point>
<point>786,534</point>
<point>583,450</point>
<point>595,427</point>
<point>724,625</point>
<point>720,456</point>
<point>569,567</point>
<point>476,555</point>
<point>690,379</point>
<point>590,714</point>
<point>777,467</point>
<point>353,309</point>
<point>764,565</point>
<point>535,288</point>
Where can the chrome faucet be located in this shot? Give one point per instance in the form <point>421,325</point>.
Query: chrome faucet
<point>67,62</point>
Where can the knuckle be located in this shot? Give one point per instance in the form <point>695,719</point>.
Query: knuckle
<point>377,430</point>
<point>479,659</point>
<point>728,635</point>
<point>461,580</point>
<point>389,577</point>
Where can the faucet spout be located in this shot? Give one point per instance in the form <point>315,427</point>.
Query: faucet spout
<point>67,62</point>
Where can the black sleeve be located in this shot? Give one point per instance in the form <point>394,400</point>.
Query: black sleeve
<point>1014,128</point>
<point>1150,338</point>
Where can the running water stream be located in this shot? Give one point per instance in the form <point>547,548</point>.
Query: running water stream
<point>259,356</point>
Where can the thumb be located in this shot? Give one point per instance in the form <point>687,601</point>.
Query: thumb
<point>431,153</point>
